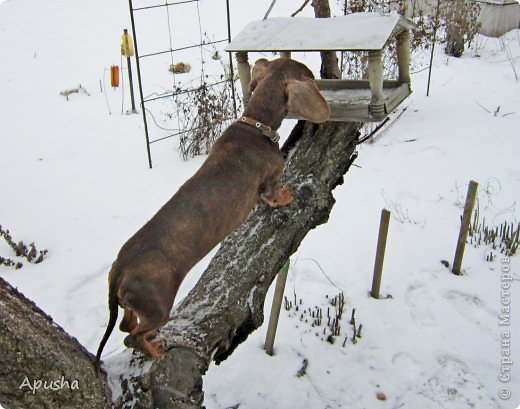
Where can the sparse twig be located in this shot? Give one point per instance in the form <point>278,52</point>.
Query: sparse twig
<point>7,262</point>
<point>484,108</point>
<point>30,253</point>
<point>67,92</point>
<point>301,8</point>
<point>303,370</point>
<point>314,317</point>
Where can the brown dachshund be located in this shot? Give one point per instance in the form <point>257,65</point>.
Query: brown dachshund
<point>243,168</point>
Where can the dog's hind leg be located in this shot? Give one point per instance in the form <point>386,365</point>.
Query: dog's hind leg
<point>140,338</point>
<point>148,290</point>
<point>129,321</point>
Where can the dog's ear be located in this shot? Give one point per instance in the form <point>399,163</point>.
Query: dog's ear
<point>258,73</point>
<point>306,101</point>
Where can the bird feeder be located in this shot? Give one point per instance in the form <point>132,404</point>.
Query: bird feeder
<point>350,100</point>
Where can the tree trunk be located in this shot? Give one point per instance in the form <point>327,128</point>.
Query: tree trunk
<point>42,366</point>
<point>227,303</point>
<point>329,60</point>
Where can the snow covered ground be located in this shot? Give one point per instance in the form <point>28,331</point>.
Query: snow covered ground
<point>75,180</point>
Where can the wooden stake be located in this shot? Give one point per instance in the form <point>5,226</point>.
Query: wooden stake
<point>380,253</point>
<point>464,227</point>
<point>275,309</point>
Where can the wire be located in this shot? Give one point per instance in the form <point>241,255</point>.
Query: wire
<point>323,272</point>
<point>122,86</point>
<point>159,126</point>
<point>171,62</point>
<point>105,91</point>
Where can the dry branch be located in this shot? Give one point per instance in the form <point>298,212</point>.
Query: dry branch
<point>300,8</point>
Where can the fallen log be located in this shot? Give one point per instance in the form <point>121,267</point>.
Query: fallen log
<point>41,365</point>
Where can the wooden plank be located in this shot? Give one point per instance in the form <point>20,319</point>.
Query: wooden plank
<point>342,113</point>
<point>397,96</point>
<point>349,100</point>
<point>357,112</point>
<point>353,84</point>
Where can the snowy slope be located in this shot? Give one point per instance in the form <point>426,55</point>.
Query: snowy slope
<point>75,180</point>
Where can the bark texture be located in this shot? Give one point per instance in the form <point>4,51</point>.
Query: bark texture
<point>42,366</point>
<point>227,303</point>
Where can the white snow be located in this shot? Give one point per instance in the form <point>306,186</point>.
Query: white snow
<point>75,180</point>
<point>358,31</point>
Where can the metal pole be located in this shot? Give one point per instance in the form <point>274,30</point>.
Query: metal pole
<point>433,47</point>
<point>231,70</point>
<point>380,253</point>
<point>275,309</point>
<point>343,52</point>
<point>140,85</point>
<point>131,82</point>
<point>464,227</point>
<point>269,9</point>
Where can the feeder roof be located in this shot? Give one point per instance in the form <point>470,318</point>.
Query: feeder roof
<point>353,32</point>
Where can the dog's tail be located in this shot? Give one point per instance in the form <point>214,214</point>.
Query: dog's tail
<point>113,307</point>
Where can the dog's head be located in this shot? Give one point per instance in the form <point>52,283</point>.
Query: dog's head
<point>303,96</point>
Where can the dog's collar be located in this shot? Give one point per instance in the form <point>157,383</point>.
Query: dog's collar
<point>266,130</point>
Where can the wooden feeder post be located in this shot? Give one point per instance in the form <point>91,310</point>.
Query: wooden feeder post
<point>375,77</point>
<point>244,73</point>
<point>276,307</point>
<point>403,56</point>
<point>464,227</point>
<point>380,253</point>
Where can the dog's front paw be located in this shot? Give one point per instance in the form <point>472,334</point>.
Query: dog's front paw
<point>157,348</point>
<point>285,196</point>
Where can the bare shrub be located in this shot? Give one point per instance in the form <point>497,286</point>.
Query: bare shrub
<point>202,108</point>
<point>205,112</point>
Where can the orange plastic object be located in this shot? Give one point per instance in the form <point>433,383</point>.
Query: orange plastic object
<point>114,76</point>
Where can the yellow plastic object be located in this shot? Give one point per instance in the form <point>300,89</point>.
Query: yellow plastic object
<point>127,46</point>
